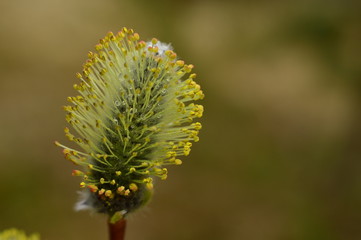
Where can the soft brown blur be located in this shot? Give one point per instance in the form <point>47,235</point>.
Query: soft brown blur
<point>279,156</point>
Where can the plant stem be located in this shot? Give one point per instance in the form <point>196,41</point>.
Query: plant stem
<point>117,230</point>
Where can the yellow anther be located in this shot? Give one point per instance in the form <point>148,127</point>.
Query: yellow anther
<point>66,151</point>
<point>93,188</point>
<point>68,108</point>
<point>149,186</point>
<point>173,56</point>
<point>154,41</point>
<point>136,36</point>
<point>147,180</point>
<point>188,68</point>
<point>193,75</point>
<point>126,192</point>
<point>200,95</point>
<point>168,53</point>
<point>120,189</point>
<point>171,154</point>
<point>180,63</point>
<point>118,173</point>
<point>99,47</point>
<point>101,191</point>
<point>108,193</point>
<point>121,35</point>
<point>158,171</point>
<point>141,44</point>
<point>90,54</point>
<point>112,182</point>
<point>102,180</point>
<point>186,151</point>
<point>180,73</point>
<point>110,34</point>
<point>82,184</point>
<point>133,187</point>
<point>178,162</point>
<point>78,75</point>
<point>131,170</point>
<point>77,173</point>
<point>86,72</point>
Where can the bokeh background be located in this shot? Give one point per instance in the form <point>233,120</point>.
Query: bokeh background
<point>279,156</point>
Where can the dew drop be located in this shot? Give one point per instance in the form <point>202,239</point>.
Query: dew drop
<point>117,103</point>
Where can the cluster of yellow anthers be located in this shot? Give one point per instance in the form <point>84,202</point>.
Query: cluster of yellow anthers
<point>134,115</point>
<point>14,234</point>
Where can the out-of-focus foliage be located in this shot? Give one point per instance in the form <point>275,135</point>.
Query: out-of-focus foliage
<point>280,150</point>
<point>14,234</point>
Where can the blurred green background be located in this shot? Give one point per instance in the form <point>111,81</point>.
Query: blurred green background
<point>279,156</point>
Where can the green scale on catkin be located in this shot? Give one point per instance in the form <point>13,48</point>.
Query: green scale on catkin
<point>133,117</point>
